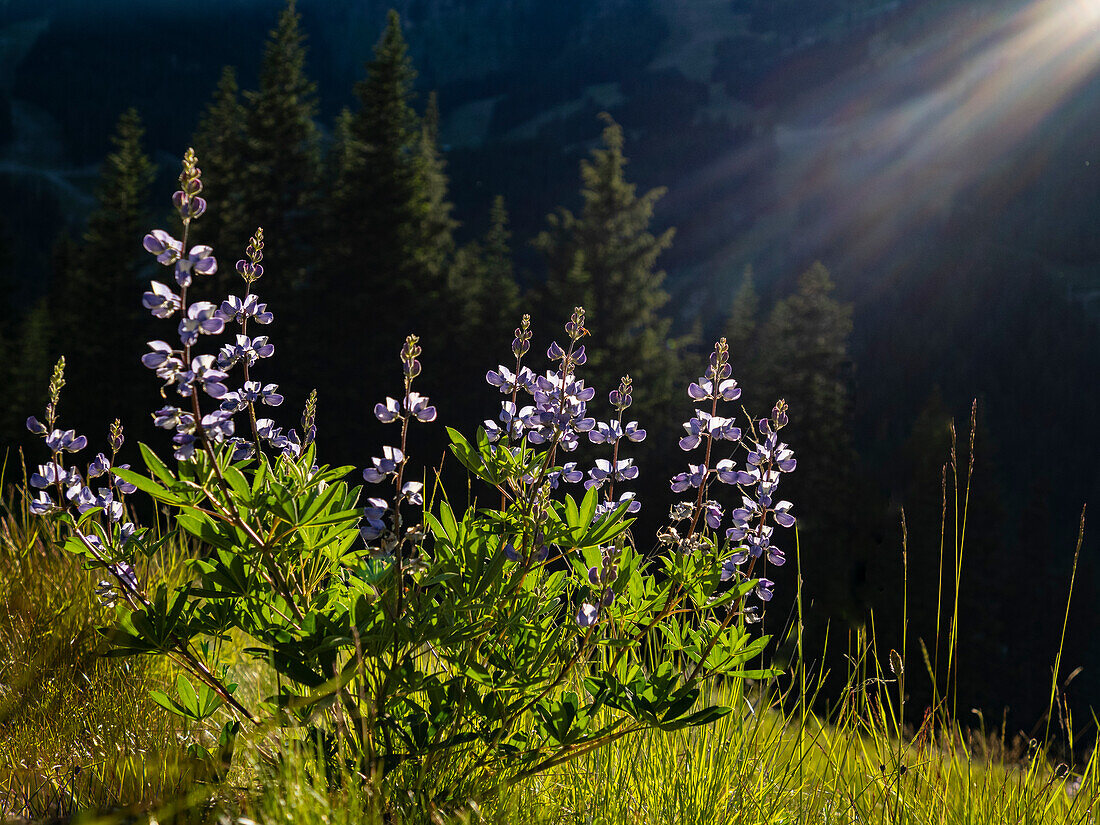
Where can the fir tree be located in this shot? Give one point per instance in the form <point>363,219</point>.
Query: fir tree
<point>482,285</point>
<point>605,259</point>
<point>97,291</point>
<point>804,359</point>
<point>283,159</point>
<point>221,147</point>
<point>390,194</point>
<point>740,328</point>
<point>389,262</point>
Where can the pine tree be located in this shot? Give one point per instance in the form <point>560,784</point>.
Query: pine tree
<point>283,158</point>
<point>221,148</point>
<point>605,259</point>
<point>97,293</point>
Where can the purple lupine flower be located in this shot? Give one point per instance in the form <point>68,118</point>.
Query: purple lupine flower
<point>412,491</point>
<point>185,446</point>
<point>782,514</point>
<point>712,512</point>
<point>253,392</point>
<point>202,318</point>
<point>124,487</point>
<point>48,475</point>
<point>389,411</point>
<point>169,418</point>
<point>242,448</point>
<point>587,615</point>
<point>624,470</point>
<point>161,301</point>
<point>218,425</point>
<point>35,426</point>
<point>81,497</point>
<point>417,406</point>
<point>729,568</point>
<point>43,504</point>
<point>267,430</point>
<point>514,422</point>
<point>384,466</point>
<point>509,549</point>
<point>568,473</point>
<point>164,246</point>
<point>164,359</point>
<point>66,440</point>
<point>764,589</point>
<point>234,308</point>
<point>98,466</point>
<point>729,474</point>
<point>693,478</point>
<point>105,498</point>
<point>203,371</point>
<point>603,433</point>
<point>250,270</point>
<point>507,381</point>
<point>373,514</point>
<point>605,507</point>
<point>200,259</point>
<point>126,573</point>
<point>189,207</point>
<point>704,390</point>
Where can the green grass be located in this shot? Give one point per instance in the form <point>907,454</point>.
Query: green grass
<point>80,736</point>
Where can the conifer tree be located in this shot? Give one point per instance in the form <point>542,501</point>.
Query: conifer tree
<point>389,204</point>
<point>391,187</point>
<point>482,285</point>
<point>221,148</point>
<point>97,293</point>
<point>283,169</point>
<point>740,328</point>
<point>804,359</point>
<point>605,259</point>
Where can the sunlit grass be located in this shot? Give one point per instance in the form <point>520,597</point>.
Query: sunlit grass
<point>79,734</point>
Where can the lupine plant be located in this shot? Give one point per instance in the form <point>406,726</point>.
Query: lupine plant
<point>409,639</point>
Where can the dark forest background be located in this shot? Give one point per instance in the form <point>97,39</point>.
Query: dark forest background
<point>684,171</point>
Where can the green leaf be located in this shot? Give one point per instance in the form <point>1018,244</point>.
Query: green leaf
<point>187,695</point>
<point>147,485</point>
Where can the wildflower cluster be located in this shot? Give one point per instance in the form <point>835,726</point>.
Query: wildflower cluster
<point>342,598</point>
<point>64,487</point>
<point>753,523</point>
<point>179,367</point>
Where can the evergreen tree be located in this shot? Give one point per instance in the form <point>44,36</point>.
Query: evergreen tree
<point>97,292</point>
<point>804,359</point>
<point>605,259</point>
<point>221,148</point>
<point>283,158</point>
<point>388,265</point>
<point>482,286</point>
<point>740,328</point>
<point>390,194</point>
<point>436,245</point>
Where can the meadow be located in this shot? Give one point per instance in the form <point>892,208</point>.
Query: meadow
<point>82,739</point>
